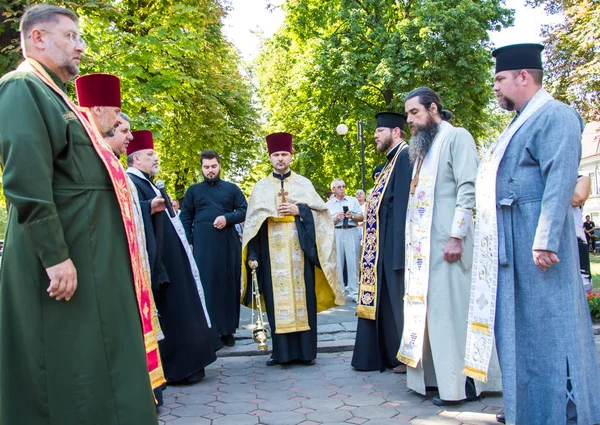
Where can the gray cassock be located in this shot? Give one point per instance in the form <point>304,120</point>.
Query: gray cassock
<point>543,325</point>
<point>449,290</point>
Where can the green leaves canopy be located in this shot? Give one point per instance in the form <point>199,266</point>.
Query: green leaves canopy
<point>572,64</point>
<point>179,78</point>
<point>345,60</point>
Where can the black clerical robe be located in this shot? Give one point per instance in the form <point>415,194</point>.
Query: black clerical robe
<point>287,347</point>
<point>377,341</point>
<point>189,344</point>
<point>218,253</point>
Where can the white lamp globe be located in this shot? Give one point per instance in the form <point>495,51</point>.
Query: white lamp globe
<point>342,129</point>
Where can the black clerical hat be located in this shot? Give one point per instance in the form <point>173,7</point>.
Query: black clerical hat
<point>391,120</point>
<point>518,56</point>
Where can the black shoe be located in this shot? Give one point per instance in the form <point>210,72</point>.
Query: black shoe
<point>308,362</point>
<point>228,340</point>
<point>439,402</point>
<point>272,362</point>
<point>500,418</point>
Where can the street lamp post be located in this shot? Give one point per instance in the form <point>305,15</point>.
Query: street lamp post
<point>342,130</point>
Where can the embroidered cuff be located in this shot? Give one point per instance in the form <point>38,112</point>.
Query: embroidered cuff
<point>462,222</point>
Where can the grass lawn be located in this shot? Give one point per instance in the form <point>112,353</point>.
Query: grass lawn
<point>595,269</point>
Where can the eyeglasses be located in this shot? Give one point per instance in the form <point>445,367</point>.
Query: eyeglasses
<point>341,187</point>
<point>74,38</point>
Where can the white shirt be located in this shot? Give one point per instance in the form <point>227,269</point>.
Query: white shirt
<point>336,206</point>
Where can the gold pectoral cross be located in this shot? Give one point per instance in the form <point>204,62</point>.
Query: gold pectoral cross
<point>282,194</point>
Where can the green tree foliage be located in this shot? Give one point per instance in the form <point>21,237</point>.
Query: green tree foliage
<point>572,54</point>
<point>344,60</point>
<point>180,78</point>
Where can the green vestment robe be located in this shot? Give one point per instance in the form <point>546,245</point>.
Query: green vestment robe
<point>80,362</point>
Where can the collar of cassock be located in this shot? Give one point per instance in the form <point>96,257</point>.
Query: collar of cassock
<point>390,154</point>
<point>282,177</point>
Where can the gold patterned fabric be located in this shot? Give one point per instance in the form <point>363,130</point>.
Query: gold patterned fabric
<point>287,259</point>
<point>367,291</point>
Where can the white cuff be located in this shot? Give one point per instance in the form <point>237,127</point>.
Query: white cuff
<point>462,222</point>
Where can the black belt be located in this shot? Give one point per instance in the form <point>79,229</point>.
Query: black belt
<point>346,227</point>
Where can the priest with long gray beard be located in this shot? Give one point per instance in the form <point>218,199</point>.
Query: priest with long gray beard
<point>439,252</point>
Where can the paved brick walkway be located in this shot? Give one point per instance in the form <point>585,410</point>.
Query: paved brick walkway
<point>242,390</point>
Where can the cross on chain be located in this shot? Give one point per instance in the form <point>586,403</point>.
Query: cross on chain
<point>282,193</point>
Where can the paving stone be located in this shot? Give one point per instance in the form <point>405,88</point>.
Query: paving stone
<point>238,372</point>
<point>277,395</point>
<point>495,400</point>
<point>329,416</point>
<point>364,400</point>
<point>340,396</point>
<point>236,397</point>
<point>355,390</point>
<point>350,326</point>
<point>275,386</point>
<point>404,397</point>
<point>357,421</point>
<point>237,379</point>
<point>192,410</point>
<point>375,412</point>
<point>333,327</point>
<point>471,406</point>
<point>199,388</point>
<point>167,418</point>
<point>474,418</point>
<point>275,377</point>
<point>236,420</point>
<point>392,421</point>
<point>280,405</point>
<point>419,409</point>
<point>320,404</point>
<point>190,421</point>
<point>195,399</point>
<point>347,408</point>
<point>493,410</point>
<point>434,420</point>
<point>235,408</point>
<point>309,423</point>
<point>315,392</point>
<point>346,373</point>
<point>212,415</point>
<point>162,410</point>
<point>258,412</point>
<point>282,418</point>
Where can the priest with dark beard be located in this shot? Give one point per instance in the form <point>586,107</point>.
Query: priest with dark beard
<point>189,344</point>
<point>439,252</point>
<point>381,286</point>
<point>209,213</point>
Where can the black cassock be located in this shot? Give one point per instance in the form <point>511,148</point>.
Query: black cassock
<point>296,345</point>
<point>189,344</point>
<point>377,341</point>
<point>218,253</point>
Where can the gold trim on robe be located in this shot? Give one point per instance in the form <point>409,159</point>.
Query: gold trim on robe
<point>290,295</point>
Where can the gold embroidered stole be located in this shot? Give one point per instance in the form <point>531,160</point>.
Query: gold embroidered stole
<point>367,294</point>
<point>484,276</point>
<point>286,256</point>
<point>119,181</point>
<point>419,217</point>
